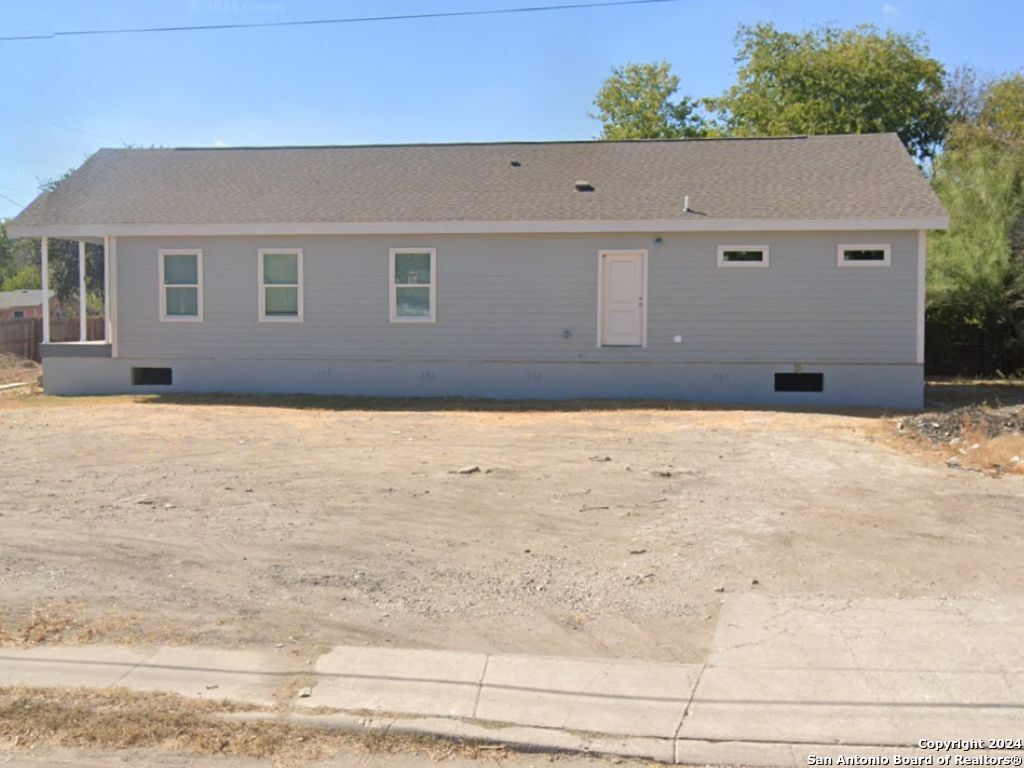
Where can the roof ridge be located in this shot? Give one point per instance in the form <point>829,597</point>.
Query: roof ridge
<point>518,143</point>
<point>541,143</point>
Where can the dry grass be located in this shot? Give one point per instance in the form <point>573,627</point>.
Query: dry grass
<point>50,624</point>
<point>995,456</point>
<point>72,624</point>
<point>1003,454</point>
<point>982,437</point>
<point>14,369</point>
<point>119,719</point>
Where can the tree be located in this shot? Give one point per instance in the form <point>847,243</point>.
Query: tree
<point>976,269</point>
<point>830,80</point>
<point>19,264</point>
<point>965,92</point>
<point>6,254</point>
<point>636,102</point>
<point>26,276</point>
<point>1002,114</point>
<point>63,260</point>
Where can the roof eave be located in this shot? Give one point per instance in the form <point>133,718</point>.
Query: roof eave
<point>692,224</point>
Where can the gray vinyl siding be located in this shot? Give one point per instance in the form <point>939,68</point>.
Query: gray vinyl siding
<point>513,298</point>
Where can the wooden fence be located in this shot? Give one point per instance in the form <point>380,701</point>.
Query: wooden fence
<point>22,337</point>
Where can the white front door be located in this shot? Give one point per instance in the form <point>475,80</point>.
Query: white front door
<point>623,285</point>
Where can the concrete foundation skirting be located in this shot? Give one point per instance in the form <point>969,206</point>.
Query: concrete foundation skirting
<point>870,385</point>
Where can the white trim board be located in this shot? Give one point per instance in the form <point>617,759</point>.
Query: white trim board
<point>599,359</point>
<point>922,282</point>
<point>112,264</point>
<point>107,304</point>
<point>477,227</point>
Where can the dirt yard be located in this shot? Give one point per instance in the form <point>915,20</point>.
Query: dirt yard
<point>596,530</point>
<point>18,370</point>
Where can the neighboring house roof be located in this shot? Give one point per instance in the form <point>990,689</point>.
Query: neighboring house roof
<point>28,297</point>
<point>813,178</point>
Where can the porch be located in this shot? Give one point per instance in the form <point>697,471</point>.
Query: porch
<point>94,339</point>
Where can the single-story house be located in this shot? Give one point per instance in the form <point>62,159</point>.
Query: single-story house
<point>27,304</point>
<point>783,270</point>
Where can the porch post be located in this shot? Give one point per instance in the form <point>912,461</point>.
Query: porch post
<point>45,269</point>
<point>83,328</point>
<point>106,290</point>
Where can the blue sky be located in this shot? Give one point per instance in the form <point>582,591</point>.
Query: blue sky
<point>529,77</point>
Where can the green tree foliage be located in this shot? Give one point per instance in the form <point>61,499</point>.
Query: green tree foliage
<point>19,265</point>
<point>26,276</point>
<point>830,80</point>
<point>6,254</point>
<point>1002,115</point>
<point>976,269</point>
<point>636,102</point>
<point>63,258</point>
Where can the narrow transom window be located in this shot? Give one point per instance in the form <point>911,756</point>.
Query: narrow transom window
<point>413,288</point>
<point>280,278</point>
<point>864,256</point>
<point>743,255</point>
<point>181,285</point>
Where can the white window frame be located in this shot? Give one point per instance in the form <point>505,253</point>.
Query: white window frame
<point>198,317</point>
<point>763,263</point>
<point>886,249</point>
<point>393,287</point>
<point>264,317</point>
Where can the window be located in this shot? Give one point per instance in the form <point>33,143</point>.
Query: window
<point>799,382</point>
<point>181,285</point>
<point>280,278</point>
<point>19,314</point>
<point>148,377</point>
<point>413,285</point>
<point>743,255</point>
<point>864,256</point>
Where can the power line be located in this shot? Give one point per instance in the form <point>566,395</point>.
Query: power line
<point>62,126</point>
<point>349,20</point>
<point>13,202</point>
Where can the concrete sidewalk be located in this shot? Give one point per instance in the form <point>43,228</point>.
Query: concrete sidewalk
<point>785,679</point>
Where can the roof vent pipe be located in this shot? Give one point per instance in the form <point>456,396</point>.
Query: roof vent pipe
<point>584,186</point>
<point>686,204</point>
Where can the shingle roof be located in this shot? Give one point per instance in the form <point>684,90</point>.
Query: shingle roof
<point>818,177</point>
